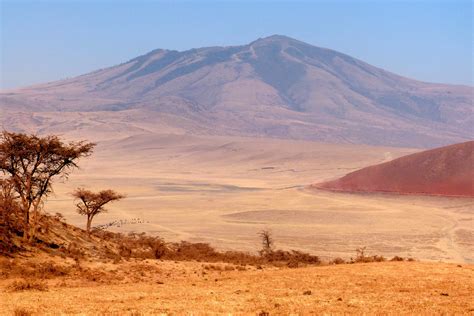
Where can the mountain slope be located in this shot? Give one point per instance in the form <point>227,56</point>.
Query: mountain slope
<point>442,171</point>
<point>275,87</point>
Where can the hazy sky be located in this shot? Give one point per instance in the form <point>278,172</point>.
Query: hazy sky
<point>48,40</point>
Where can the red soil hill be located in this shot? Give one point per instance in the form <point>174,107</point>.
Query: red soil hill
<point>442,171</point>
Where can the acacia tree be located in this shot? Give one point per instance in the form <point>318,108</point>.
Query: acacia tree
<point>92,204</point>
<point>31,162</point>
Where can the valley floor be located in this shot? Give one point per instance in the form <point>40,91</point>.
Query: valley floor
<point>155,287</point>
<point>224,190</point>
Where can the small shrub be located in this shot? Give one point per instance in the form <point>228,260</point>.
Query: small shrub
<point>337,261</point>
<point>49,269</point>
<point>94,276</point>
<point>229,268</point>
<point>74,251</point>
<point>21,312</point>
<point>362,258</point>
<point>377,258</point>
<point>59,217</point>
<point>27,285</point>
<point>397,258</point>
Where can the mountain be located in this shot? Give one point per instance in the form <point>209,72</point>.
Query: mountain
<point>273,87</point>
<point>442,171</point>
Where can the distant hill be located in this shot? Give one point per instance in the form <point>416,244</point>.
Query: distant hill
<point>273,87</point>
<point>442,171</point>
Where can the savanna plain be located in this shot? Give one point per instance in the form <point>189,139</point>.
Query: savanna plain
<point>224,191</point>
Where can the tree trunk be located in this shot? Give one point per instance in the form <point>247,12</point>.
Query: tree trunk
<point>34,223</point>
<point>26,220</point>
<point>89,222</point>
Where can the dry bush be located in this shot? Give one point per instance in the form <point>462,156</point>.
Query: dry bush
<point>74,251</point>
<point>397,258</point>
<point>27,285</point>
<point>59,217</point>
<point>124,251</point>
<point>193,251</point>
<point>21,312</point>
<point>294,258</point>
<point>37,270</point>
<point>337,261</point>
<point>95,276</point>
<point>10,268</point>
<point>141,246</point>
<point>239,258</point>
<point>202,252</point>
<point>361,257</point>
<point>133,245</point>
<point>217,267</point>
<point>10,218</point>
<point>50,269</point>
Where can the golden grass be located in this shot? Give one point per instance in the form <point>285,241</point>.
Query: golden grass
<point>154,287</point>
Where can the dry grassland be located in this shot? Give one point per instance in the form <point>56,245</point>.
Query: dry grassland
<point>155,287</point>
<point>223,191</point>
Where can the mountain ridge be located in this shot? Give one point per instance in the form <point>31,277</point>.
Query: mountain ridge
<point>272,87</point>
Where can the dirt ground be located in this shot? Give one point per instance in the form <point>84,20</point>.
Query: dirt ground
<point>156,287</point>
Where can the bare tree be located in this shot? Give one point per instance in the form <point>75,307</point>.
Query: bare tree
<point>267,242</point>
<point>92,203</point>
<point>32,162</point>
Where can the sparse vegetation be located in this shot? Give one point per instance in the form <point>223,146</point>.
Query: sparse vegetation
<point>337,261</point>
<point>361,257</point>
<point>267,242</point>
<point>28,285</point>
<point>21,312</point>
<point>101,256</point>
<point>9,217</point>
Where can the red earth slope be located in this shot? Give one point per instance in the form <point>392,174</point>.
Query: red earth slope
<point>442,171</point>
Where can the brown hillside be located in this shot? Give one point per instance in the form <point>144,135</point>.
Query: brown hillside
<point>442,171</point>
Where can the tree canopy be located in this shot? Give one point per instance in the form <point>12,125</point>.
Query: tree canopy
<point>30,162</point>
<point>92,203</point>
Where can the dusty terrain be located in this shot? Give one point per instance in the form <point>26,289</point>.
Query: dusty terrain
<point>224,190</point>
<point>70,273</point>
<point>153,287</point>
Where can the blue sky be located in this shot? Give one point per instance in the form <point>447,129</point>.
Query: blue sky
<point>48,40</point>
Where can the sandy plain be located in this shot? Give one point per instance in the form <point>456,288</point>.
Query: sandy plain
<point>224,190</point>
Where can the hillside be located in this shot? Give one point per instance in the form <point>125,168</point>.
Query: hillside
<point>444,171</point>
<point>275,87</point>
<point>65,267</point>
